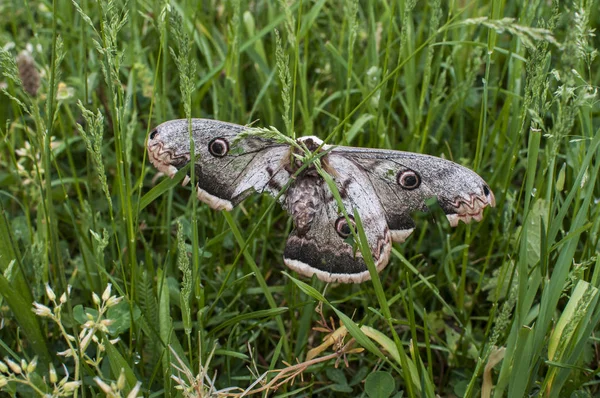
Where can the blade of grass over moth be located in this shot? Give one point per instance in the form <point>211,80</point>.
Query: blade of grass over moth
<point>164,186</point>
<point>361,239</point>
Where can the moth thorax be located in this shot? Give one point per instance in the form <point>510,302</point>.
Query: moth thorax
<point>303,201</point>
<point>311,142</point>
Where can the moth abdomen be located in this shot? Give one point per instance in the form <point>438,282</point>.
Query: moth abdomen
<point>303,201</point>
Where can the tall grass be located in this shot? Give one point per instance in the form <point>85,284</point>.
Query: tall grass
<point>123,277</point>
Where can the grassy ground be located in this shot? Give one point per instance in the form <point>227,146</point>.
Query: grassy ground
<point>505,307</point>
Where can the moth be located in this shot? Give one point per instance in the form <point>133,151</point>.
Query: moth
<point>383,186</point>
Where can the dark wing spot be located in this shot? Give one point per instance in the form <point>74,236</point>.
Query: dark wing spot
<point>218,147</point>
<point>409,179</point>
<point>342,228</point>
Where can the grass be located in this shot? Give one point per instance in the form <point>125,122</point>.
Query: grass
<point>139,289</point>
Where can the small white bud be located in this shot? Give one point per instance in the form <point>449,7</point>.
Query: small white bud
<point>53,375</point>
<point>135,390</point>
<point>71,386</point>
<point>41,310</point>
<point>106,293</point>
<point>86,340</point>
<point>121,380</point>
<point>113,300</point>
<point>16,369</point>
<point>103,386</point>
<point>66,353</point>
<point>50,293</point>
<point>32,365</point>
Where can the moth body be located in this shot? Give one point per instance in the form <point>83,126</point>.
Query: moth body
<point>303,201</point>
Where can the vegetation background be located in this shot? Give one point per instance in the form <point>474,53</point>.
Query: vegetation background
<point>141,290</point>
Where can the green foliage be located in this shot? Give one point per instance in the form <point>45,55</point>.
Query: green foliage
<point>201,302</point>
<point>286,82</point>
<point>93,142</point>
<point>379,385</point>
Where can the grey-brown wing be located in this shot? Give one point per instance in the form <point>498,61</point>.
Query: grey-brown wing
<point>320,242</point>
<point>404,181</point>
<point>227,169</point>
